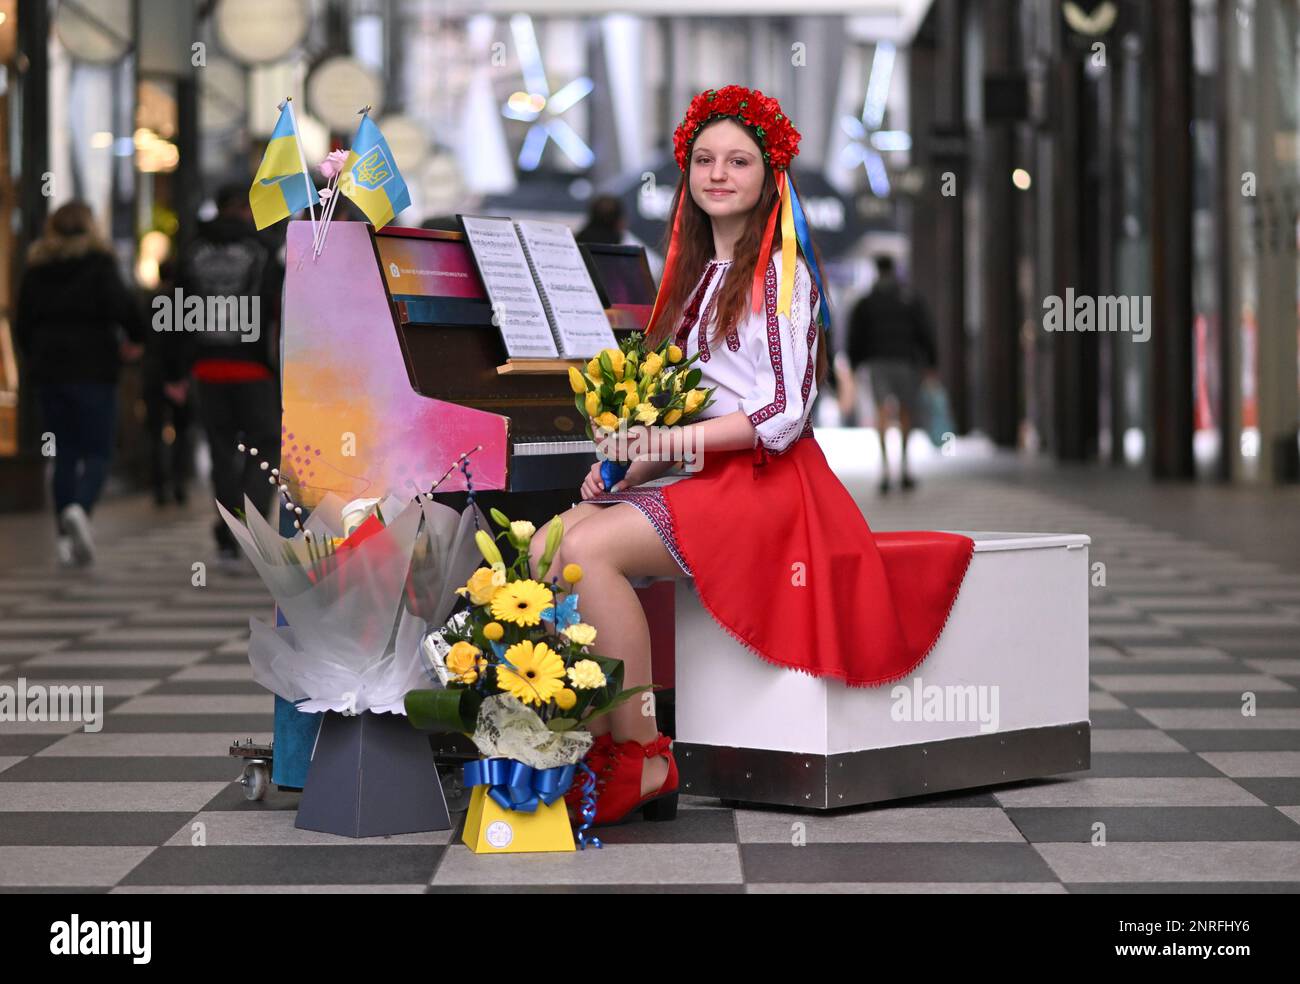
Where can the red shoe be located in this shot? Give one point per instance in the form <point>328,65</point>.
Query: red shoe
<point>597,758</point>
<point>618,786</point>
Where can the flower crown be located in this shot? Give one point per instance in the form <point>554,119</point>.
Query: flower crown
<point>776,134</point>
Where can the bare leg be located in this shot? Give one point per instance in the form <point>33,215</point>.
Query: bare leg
<point>612,546</point>
<point>882,427</point>
<point>905,427</point>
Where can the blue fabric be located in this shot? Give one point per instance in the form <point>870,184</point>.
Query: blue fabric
<point>82,418</point>
<point>295,732</point>
<point>938,414</point>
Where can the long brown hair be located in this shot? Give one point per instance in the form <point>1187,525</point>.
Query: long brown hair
<point>695,249</point>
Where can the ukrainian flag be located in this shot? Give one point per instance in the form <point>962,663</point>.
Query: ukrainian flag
<point>281,186</point>
<point>371,178</point>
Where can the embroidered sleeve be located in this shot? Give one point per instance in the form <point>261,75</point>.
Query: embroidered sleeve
<point>785,366</point>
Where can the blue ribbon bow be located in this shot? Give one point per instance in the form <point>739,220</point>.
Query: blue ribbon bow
<point>515,786</point>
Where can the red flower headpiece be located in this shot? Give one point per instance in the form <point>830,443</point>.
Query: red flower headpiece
<point>776,134</point>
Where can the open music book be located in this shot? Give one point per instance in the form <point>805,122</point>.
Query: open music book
<point>542,297</point>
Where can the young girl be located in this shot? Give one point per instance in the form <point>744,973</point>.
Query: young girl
<point>779,552</point>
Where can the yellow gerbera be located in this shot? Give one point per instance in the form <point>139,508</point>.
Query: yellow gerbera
<point>538,673</point>
<point>521,602</point>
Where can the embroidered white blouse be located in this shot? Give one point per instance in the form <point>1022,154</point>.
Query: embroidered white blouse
<point>765,368</point>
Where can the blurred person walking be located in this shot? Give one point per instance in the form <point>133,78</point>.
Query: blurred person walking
<point>607,223</point>
<point>77,321</point>
<point>168,403</point>
<point>234,363</point>
<point>890,332</point>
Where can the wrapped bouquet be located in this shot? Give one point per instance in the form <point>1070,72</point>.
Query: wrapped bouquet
<point>629,384</point>
<point>359,584</point>
<point>519,676</point>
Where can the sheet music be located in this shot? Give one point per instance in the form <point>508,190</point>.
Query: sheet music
<point>578,317</point>
<point>509,283</point>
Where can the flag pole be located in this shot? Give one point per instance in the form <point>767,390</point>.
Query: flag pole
<point>328,214</point>
<point>306,175</point>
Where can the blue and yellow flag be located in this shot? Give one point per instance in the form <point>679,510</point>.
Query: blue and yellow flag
<point>281,186</point>
<point>370,176</point>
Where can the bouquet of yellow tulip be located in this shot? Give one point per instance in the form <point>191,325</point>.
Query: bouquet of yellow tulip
<point>628,384</point>
<point>518,676</point>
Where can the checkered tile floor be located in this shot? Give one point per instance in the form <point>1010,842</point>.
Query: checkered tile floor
<point>1193,795</point>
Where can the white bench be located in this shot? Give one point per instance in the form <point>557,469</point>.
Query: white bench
<point>1016,639</point>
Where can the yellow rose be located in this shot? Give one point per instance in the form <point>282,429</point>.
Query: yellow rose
<point>674,354</point>
<point>581,633</point>
<point>565,699</point>
<point>463,658</point>
<point>671,417</point>
<point>693,399</point>
<point>481,586</point>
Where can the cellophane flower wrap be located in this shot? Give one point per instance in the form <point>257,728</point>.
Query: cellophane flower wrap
<point>359,594</point>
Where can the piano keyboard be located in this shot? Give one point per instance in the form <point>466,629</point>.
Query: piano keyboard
<point>533,446</point>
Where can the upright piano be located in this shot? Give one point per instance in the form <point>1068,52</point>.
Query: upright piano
<point>393,368</point>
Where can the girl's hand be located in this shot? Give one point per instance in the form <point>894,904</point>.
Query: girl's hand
<point>642,470</point>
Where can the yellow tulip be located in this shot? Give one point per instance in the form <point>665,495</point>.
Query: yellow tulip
<point>606,420</point>
<point>671,417</point>
<point>693,399</point>
<point>674,354</point>
<point>593,403</point>
<point>576,382</point>
<point>652,365</point>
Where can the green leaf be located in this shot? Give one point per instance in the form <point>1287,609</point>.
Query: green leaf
<point>443,710</point>
<point>692,380</point>
<point>621,699</point>
<point>562,724</point>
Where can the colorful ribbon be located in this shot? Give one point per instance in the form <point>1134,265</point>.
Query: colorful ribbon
<point>516,786</point>
<point>805,244</point>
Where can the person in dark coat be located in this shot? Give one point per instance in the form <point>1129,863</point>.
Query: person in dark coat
<point>235,362</point>
<point>890,332</point>
<point>76,322</point>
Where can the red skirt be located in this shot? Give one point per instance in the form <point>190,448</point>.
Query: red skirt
<point>784,560</point>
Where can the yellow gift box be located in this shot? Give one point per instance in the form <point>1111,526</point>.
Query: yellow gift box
<point>492,829</point>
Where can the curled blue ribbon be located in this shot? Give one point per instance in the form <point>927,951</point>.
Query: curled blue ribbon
<point>588,808</point>
<point>515,786</point>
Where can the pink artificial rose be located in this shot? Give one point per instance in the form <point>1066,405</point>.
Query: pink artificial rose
<point>333,164</point>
